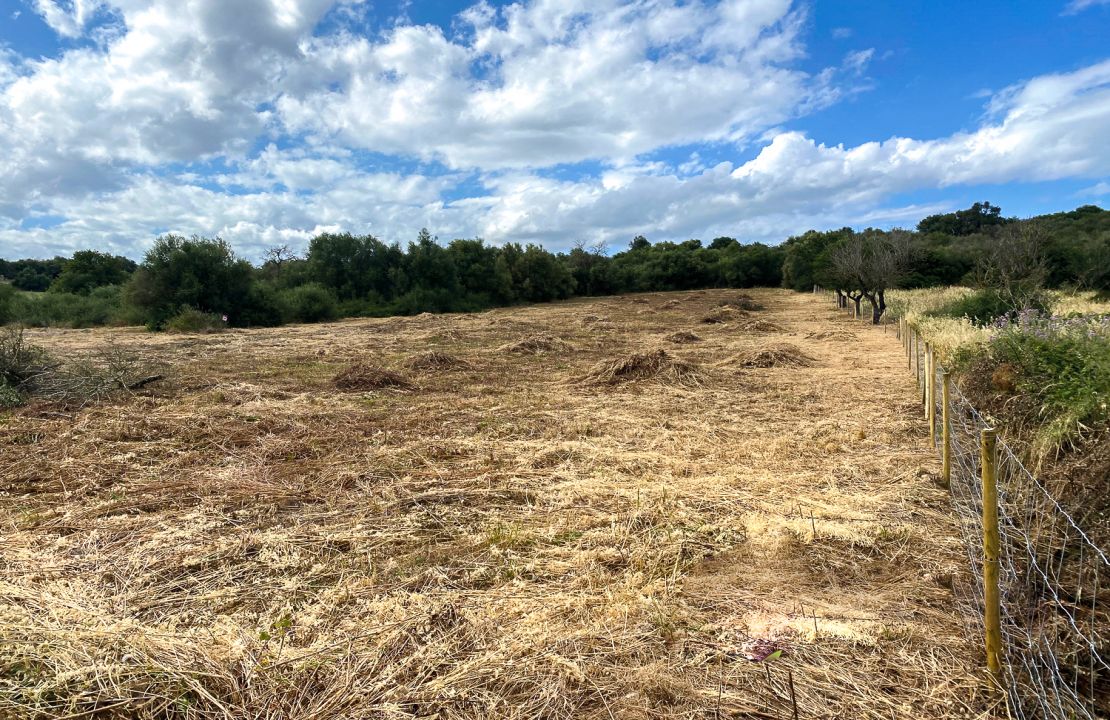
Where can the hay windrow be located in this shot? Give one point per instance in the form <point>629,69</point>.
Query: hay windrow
<point>537,345</point>
<point>435,360</point>
<point>656,365</point>
<point>777,355</point>
<point>683,337</point>
<point>363,376</point>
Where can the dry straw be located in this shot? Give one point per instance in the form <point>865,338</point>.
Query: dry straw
<point>774,355</point>
<point>841,335</point>
<point>506,543</point>
<point>654,365</point>
<point>361,376</point>
<point>435,360</point>
<point>743,301</point>
<point>723,314</point>
<point>760,326</point>
<point>683,337</point>
<point>537,345</point>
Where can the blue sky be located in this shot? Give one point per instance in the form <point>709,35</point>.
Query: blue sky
<point>555,121</point>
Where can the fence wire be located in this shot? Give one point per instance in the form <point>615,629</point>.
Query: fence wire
<point>1055,606</point>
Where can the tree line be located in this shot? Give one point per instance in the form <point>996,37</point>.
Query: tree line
<point>1010,261</point>
<point>193,282</point>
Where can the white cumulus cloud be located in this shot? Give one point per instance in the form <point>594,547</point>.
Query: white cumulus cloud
<point>540,121</point>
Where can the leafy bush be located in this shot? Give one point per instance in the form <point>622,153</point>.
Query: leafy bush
<point>9,397</point>
<point>985,306</point>
<point>308,303</point>
<point>1064,363</point>
<point>200,273</point>
<point>102,306</point>
<point>7,303</point>
<point>191,320</point>
<point>89,269</point>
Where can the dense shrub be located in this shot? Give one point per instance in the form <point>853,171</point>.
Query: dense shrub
<point>198,273</point>
<point>7,303</point>
<point>88,270</point>
<point>1064,363</point>
<point>985,306</point>
<point>9,397</point>
<point>308,303</point>
<point>368,277</point>
<point>191,320</point>
<point>102,306</point>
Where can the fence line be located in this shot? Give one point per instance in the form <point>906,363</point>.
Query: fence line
<point>1053,608</point>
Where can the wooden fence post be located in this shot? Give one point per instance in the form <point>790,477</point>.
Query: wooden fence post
<point>925,384</point>
<point>945,430</point>
<point>922,366</point>
<point>930,392</point>
<point>992,611</point>
<point>917,357</point>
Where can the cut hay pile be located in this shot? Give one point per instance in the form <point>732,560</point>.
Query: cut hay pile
<point>761,326</point>
<point>651,365</point>
<point>742,301</point>
<point>537,345</point>
<point>362,376</point>
<point>590,319</point>
<point>832,335</point>
<point>775,355</point>
<point>435,360</point>
<point>723,314</point>
<point>670,304</point>
<point>683,337</point>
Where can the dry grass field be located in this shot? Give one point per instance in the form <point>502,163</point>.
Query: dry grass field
<point>523,513</point>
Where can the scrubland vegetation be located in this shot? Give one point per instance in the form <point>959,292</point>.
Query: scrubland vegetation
<point>1041,373</point>
<point>343,275</point>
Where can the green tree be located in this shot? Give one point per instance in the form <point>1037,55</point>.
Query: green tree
<point>90,269</point>
<point>538,276</point>
<point>869,264</point>
<point>977,218</point>
<point>482,280</point>
<point>355,267</point>
<point>803,259</point>
<point>433,281</point>
<point>199,273</point>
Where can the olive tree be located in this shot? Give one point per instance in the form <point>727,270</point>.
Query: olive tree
<point>870,263</point>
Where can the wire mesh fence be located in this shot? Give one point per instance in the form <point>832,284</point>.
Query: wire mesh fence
<point>1053,588</point>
